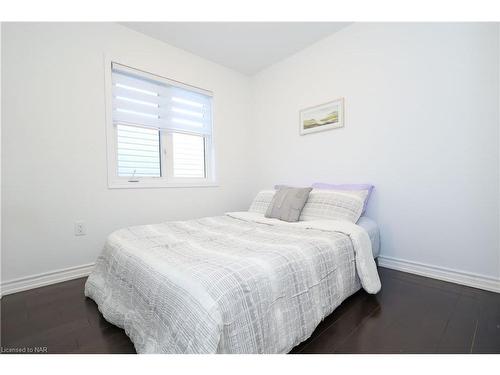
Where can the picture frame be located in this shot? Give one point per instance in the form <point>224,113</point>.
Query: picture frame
<point>322,117</point>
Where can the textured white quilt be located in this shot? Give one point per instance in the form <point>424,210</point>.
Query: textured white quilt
<point>238,283</point>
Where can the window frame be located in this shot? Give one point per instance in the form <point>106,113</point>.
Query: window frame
<point>166,180</point>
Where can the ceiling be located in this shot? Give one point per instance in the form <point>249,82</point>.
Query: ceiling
<point>247,47</point>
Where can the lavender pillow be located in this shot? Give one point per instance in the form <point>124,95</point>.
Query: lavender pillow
<point>368,187</point>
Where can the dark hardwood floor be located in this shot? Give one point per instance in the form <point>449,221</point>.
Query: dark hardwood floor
<point>411,314</point>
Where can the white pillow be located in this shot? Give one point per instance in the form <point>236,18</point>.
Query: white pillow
<point>261,201</point>
<point>334,205</point>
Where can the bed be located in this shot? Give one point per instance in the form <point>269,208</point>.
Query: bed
<point>236,283</point>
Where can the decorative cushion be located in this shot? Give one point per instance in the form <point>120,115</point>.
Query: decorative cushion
<point>287,203</point>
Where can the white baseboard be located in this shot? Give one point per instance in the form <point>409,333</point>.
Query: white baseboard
<point>441,273</point>
<point>43,279</point>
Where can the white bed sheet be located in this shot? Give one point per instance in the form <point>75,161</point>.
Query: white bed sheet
<point>373,232</point>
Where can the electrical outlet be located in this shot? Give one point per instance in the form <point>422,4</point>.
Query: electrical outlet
<point>80,229</point>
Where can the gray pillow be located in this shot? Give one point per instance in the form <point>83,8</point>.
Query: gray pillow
<point>287,203</point>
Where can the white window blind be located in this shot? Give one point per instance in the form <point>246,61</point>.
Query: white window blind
<point>163,127</point>
<point>148,100</point>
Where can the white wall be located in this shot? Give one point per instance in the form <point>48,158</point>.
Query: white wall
<point>54,149</point>
<point>421,123</point>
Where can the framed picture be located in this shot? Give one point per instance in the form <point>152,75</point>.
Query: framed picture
<point>322,117</point>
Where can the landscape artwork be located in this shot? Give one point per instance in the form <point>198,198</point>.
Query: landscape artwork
<point>322,117</point>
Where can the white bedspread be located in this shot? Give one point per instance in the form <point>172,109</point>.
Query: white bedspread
<point>238,283</point>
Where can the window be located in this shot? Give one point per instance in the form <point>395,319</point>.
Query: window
<point>160,133</point>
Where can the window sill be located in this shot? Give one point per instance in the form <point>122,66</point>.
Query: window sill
<point>159,185</point>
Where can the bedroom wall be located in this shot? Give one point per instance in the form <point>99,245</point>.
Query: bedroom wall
<point>54,150</point>
<point>421,123</point>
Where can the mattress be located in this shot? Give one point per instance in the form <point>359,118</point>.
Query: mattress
<point>373,232</point>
